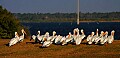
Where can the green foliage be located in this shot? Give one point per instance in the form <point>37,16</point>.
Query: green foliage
<point>67,17</point>
<point>8,24</point>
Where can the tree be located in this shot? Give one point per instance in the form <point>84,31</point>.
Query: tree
<point>8,24</point>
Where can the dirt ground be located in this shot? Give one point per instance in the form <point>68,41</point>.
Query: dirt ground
<point>29,49</point>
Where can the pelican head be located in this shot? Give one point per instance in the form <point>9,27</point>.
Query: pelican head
<point>47,34</point>
<point>102,32</point>
<point>54,33</point>
<point>69,33</point>
<point>97,29</point>
<point>81,30</point>
<point>106,32</point>
<point>97,32</point>
<point>112,32</point>
<point>92,33</point>
<point>76,31</point>
<point>16,34</point>
<point>23,31</point>
<point>38,32</point>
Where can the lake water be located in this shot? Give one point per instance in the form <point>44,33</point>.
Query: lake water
<point>63,28</point>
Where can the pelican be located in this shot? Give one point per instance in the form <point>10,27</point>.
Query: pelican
<point>44,38</point>
<point>102,36</point>
<point>89,38</point>
<point>80,37</point>
<point>62,41</point>
<point>49,40</point>
<point>99,38</point>
<point>33,37</point>
<point>75,34</point>
<point>39,37</point>
<point>95,36</point>
<point>51,37</point>
<point>57,40</point>
<point>14,40</point>
<point>105,38</point>
<point>68,38</point>
<point>76,31</point>
<point>47,43</point>
<point>22,36</point>
<point>111,37</point>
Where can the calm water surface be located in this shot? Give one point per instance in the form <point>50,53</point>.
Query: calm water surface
<point>63,28</point>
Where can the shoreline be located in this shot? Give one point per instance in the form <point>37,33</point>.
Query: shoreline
<point>70,21</point>
<point>100,21</point>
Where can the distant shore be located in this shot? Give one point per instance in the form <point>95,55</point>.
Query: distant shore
<point>101,21</point>
<point>70,21</point>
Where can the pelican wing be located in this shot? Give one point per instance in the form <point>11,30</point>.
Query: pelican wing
<point>13,41</point>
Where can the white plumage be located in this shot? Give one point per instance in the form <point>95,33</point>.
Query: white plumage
<point>22,36</point>
<point>46,44</point>
<point>49,40</point>
<point>57,40</point>
<point>89,38</point>
<point>34,37</point>
<point>14,40</point>
<point>105,38</point>
<point>80,37</point>
<point>111,37</point>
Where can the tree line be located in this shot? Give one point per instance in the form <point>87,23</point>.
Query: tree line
<point>67,17</point>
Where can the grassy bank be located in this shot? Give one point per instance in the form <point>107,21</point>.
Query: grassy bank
<point>27,49</point>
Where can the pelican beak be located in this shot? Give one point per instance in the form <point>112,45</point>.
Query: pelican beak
<point>104,33</point>
<point>112,33</point>
<point>17,34</point>
<point>25,32</point>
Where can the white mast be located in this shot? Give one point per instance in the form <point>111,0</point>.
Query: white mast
<point>78,13</point>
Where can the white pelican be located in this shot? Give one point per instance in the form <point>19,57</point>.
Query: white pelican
<point>47,43</point>
<point>105,38</point>
<point>14,40</point>
<point>33,37</point>
<point>89,38</point>
<point>52,37</point>
<point>80,37</point>
<point>75,34</point>
<point>62,41</point>
<point>49,40</point>
<point>22,36</point>
<point>44,38</point>
<point>95,36</point>
<point>111,37</point>
<point>68,38</point>
<point>76,31</point>
<point>39,37</point>
<point>102,36</point>
<point>99,38</point>
<point>57,40</point>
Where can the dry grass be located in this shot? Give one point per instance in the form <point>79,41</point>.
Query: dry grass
<point>30,50</point>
